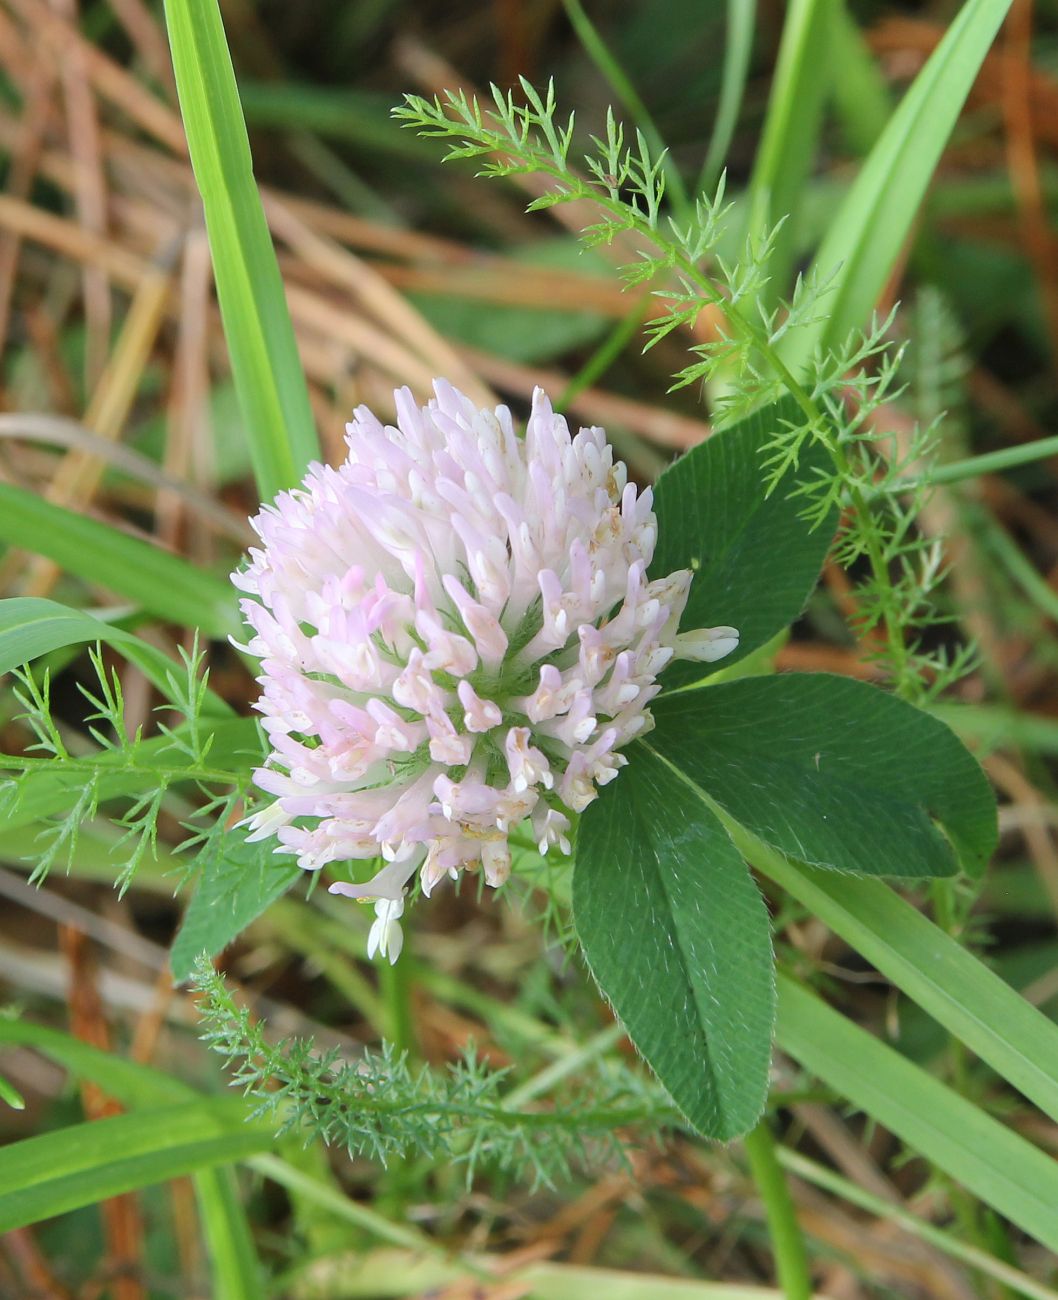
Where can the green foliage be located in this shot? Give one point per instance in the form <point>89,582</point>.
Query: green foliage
<point>755,558</point>
<point>30,627</point>
<point>836,395</point>
<point>41,1177</point>
<point>738,49</point>
<point>934,970</point>
<point>237,881</point>
<point>235,1268</point>
<point>789,140</point>
<point>264,355</point>
<point>820,769</point>
<point>160,583</point>
<point>807,761</point>
<point>982,1154</point>
<point>62,788</point>
<point>677,936</point>
<point>871,225</point>
<point>380,1106</point>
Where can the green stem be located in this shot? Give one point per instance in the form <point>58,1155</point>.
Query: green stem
<point>603,357</point>
<point>395,986</point>
<point>788,1246</point>
<point>989,462</point>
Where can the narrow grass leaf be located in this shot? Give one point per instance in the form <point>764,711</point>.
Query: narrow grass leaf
<point>162,584</point>
<point>738,47</point>
<point>994,1021</point>
<point>987,1158</point>
<point>127,1081</point>
<point>236,1270</point>
<point>30,627</point>
<point>871,225</point>
<point>264,356</point>
<point>41,1177</point>
<point>790,136</point>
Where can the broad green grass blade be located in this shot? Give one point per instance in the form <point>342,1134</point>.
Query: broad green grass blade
<point>738,47</point>
<point>862,100</point>
<point>233,1260</point>
<point>988,1159</point>
<point>127,1081</point>
<point>30,627</point>
<point>163,584</point>
<point>264,356</point>
<point>871,225</point>
<point>236,1272</point>
<point>937,973</point>
<point>791,130</point>
<point>41,1177</point>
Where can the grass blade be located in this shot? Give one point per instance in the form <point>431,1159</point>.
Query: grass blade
<point>738,47</point>
<point>991,1161</point>
<point>236,1271</point>
<point>162,584</point>
<point>41,1177</point>
<point>30,627</point>
<point>870,227</point>
<point>233,1259</point>
<point>127,1081</point>
<point>957,990</point>
<point>264,356</point>
<point>791,131</point>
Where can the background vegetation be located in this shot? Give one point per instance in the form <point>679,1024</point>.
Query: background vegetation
<point>122,409</point>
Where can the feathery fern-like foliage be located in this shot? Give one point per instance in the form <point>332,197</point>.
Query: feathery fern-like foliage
<point>841,395</point>
<point>382,1106</point>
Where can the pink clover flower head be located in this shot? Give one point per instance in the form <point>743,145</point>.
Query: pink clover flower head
<point>457,634</point>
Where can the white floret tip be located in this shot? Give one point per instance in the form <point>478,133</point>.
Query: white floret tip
<point>457,635</point>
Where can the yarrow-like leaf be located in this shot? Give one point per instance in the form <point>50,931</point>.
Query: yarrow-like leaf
<point>457,634</point>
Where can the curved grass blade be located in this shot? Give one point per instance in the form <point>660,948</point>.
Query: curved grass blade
<point>264,357</point>
<point>162,584</point>
<point>871,225</point>
<point>970,1001</point>
<point>41,1177</point>
<point>236,1271</point>
<point>31,626</point>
